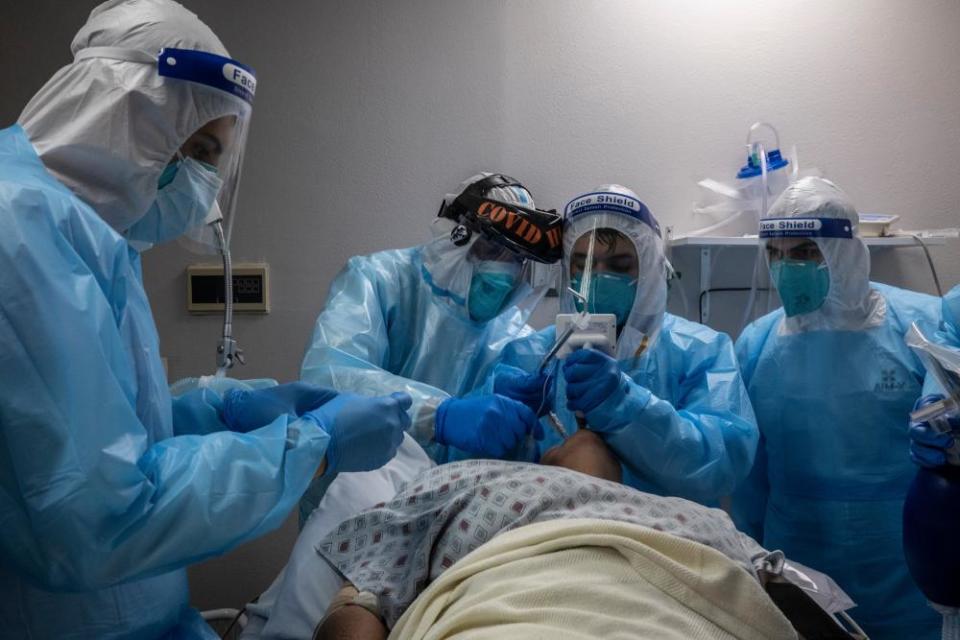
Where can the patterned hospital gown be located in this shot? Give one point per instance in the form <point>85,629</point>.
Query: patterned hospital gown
<point>396,549</point>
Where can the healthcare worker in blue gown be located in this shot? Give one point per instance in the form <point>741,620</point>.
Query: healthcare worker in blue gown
<point>429,320</point>
<point>103,499</point>
<point>931,516</point>
<point>929,447</point>
<point>832,383</point>
<point>670,402</point>
<point>950,318</point>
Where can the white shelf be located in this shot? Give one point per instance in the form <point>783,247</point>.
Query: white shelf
<point>714,241</point>
<point>751,241</point>
<point>707,244</point>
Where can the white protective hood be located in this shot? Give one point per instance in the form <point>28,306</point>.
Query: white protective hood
<point>850,304</point>
<point>107,126</point>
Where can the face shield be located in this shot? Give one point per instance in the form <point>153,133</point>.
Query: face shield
<point>614,263</point>
<point>197,190</point>
<point>217,146</point>
<point>603,273</point>
<point>212,155</point>
<point>528,233</point>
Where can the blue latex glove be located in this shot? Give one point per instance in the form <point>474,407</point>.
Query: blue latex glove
<point>531,389</point>
<point>364,432</point>
<point>592,376</point>
<point>489,425</point>
<point>246,410</point>
<point>927,446</point>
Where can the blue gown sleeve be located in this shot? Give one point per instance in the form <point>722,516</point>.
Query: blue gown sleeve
<point>698,445</point>
<point>89,495</point>
<point>950,318</point>
<point>87,501</point>
<point>749,503</point>
<point>350,347</point>
<point>948,333</point>
<point>198,402</point>
<point>197,412</point>
<point>931,386</point>
<point>524,353</point>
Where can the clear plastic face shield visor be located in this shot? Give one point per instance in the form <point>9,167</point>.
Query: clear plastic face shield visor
<point>603,271</point>
<point>198,187</point>
<point>217,145</point>
<point>791,268</point>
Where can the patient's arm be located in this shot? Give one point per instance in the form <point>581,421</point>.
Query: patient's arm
<point>351,623</point>
<point>348,618</point>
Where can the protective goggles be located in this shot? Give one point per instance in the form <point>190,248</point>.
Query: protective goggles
<point>530,233</point>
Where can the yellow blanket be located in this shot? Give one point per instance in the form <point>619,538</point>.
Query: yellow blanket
<point>580,579</point>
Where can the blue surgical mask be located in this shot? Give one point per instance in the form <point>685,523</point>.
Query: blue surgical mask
<point>802,285</point>
<point>187,190</point>
<point>609,293</point>
<point>490,287</point>
<point>169,172</point>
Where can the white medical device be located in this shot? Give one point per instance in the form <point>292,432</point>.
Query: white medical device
<point>594,331</point>
<point>943,364</point>
<point>876,225</point>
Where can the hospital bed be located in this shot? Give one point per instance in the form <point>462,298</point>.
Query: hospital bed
<point>297,599</point>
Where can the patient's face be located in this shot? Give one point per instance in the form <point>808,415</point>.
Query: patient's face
<point>585,452</point>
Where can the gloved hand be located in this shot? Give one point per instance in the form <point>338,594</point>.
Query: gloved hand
<point>364,432</point>
<point>246,410</point>
<point>592,376</point>
<point>490,425</point>
<point>928,447</point>
<point>531,389</point>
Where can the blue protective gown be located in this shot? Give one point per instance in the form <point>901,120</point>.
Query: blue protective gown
<point>948,333</point>
<point>684,427</point>
<point>833,468</point>
<point>950,316</point>
<point>102,503</point>
<point>389,326</point>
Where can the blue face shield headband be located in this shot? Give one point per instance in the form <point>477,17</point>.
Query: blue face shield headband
<point>611,202</point>
<point>805,228</point>
<point>210,69</point>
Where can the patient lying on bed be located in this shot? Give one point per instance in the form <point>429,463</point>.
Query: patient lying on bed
<point>512,550</point>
